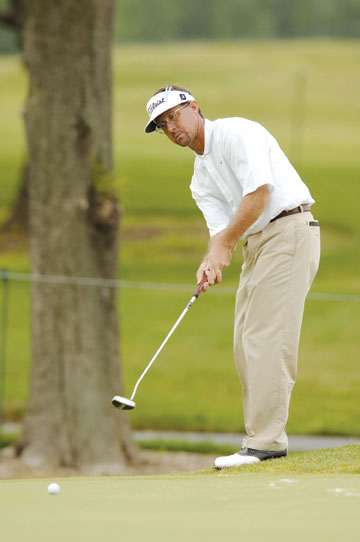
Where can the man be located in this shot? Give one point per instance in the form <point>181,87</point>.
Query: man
<point>247,189</point>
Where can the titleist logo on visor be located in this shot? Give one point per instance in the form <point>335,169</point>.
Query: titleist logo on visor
<point>155,105</point>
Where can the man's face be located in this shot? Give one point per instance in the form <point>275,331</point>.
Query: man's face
<point>181,123</point>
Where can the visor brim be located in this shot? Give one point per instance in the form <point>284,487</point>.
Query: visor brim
<point>150,127</point>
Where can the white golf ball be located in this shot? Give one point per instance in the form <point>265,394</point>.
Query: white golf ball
<point>53,489</point>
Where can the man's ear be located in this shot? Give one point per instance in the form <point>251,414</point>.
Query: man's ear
<point>194,105</point>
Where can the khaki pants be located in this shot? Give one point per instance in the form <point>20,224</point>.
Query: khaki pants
<point>280,264</point>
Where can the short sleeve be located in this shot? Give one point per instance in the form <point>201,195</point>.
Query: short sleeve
<point>213,210</point>
<point>248,152</point>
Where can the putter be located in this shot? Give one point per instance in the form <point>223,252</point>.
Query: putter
<point>128,404</point>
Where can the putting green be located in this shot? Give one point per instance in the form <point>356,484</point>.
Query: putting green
<point>188,507</point>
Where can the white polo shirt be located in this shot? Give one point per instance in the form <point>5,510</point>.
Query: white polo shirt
<point>240,156</point>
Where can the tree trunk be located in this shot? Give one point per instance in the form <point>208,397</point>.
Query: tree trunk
<point>73,232</point>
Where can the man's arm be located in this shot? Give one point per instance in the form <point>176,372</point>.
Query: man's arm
<point>221,245</point>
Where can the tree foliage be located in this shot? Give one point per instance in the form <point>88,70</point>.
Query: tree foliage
<point>161,20</point>
<point>164,20</point>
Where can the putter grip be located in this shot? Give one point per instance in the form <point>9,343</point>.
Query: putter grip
<point>201,285</point>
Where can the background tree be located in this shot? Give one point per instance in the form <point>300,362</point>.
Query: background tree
<point>74,219</point>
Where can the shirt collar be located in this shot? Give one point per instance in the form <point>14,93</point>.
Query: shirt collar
<point>208,129</point>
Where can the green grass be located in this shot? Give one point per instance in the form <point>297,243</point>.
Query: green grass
<point>342,460</point>
<point>185,446</point>
<point>258,501</point>
<point>193,384</point>
<point>7,439</point>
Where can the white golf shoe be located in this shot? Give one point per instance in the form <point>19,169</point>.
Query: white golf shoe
<point>235,460</point>
<point>247,456</point>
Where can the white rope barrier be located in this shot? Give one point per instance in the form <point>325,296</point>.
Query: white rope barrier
<point>114,283</point>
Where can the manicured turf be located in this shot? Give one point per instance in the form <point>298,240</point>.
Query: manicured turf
<point>226,505</point>
<point>308,495</point>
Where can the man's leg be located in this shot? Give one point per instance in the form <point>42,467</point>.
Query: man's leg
<point>286,261</point>
<point>280,265</point>
<point>249,253</point>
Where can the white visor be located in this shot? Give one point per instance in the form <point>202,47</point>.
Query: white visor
<point>162,102</point>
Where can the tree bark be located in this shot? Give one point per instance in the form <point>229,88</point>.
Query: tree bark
<point>74,219</point>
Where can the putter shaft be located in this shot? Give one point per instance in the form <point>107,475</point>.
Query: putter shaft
<point>188,306</point>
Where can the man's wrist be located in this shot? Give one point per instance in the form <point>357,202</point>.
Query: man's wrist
<point>225,239</point>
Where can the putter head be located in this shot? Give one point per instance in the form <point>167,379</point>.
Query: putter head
<point>123,403</point>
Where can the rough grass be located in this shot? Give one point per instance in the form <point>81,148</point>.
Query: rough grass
<point>342,460</point>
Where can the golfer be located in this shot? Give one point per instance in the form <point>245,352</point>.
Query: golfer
<point>247,189</point>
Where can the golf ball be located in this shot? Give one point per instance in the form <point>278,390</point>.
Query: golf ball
<point>53,489</point>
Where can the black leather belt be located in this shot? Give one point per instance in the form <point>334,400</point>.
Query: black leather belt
<point>301,209</point>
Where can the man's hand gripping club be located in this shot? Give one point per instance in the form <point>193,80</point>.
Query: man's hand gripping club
<point>222,245</point>
<point>217,257</point>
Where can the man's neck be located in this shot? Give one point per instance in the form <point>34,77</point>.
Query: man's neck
<point>198,145</point>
